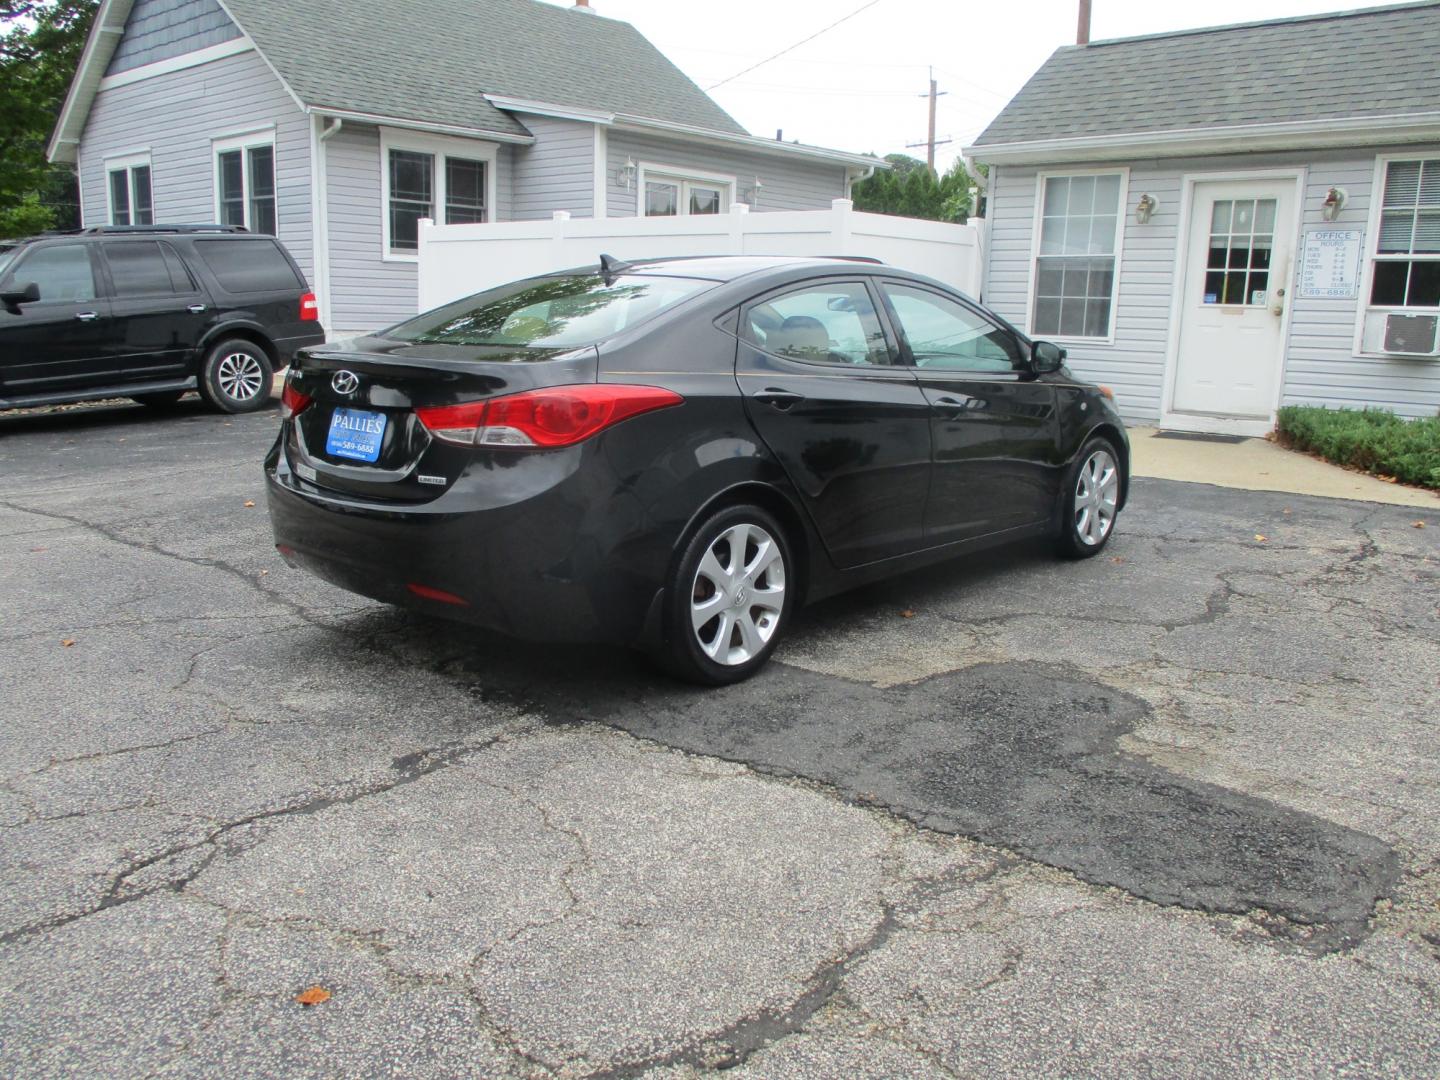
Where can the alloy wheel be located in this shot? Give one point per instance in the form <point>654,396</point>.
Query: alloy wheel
<point>738,594</point>
<point>240,375</point>
<point>1097,492</point>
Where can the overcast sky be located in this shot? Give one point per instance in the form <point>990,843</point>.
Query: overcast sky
<point>858,86</point>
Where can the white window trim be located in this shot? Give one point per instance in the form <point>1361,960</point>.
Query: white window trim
<point>440,146</point>
<point>250,140</point>
<point>128,162</point>
<point>1363,307</point>
<point>1121,217</point>
<point>684,177</point>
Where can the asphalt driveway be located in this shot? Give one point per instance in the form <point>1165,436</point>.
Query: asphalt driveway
<point>1174,811</point>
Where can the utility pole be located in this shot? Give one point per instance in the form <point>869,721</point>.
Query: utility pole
<point>931,142</point>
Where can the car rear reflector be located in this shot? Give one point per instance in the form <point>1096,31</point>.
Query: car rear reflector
<point>551,417</point>
<point>428,593</point>
<point>292,401</point>
<point>309,308</point>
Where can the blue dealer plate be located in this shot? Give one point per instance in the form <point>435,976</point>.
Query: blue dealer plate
<point>355,433</point>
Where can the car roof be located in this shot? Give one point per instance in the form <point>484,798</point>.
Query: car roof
<point>732,267</point>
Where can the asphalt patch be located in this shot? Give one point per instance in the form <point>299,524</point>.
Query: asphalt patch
<point>1014,755</point>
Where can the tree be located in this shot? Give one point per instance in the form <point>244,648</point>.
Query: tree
<point>910,189</point>
<point>40,46</point>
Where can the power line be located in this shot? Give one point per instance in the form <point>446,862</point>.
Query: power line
<point>792,48</point>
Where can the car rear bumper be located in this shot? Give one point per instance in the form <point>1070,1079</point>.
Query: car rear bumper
<point>546,559</point>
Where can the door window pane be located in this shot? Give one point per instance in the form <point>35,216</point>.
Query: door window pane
<point>662,199</point>
<point>831,323</point>
<point>944,334</point>
<point>120,197</point>
<point>1074,271</point>
<point>1237,268</point>
<point>412,197</point>
<point>262,189</point>
<point>464,191</point>
<point>62,272</point>
<point>138,268</point>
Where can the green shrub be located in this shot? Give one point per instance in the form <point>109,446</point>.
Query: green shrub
<point>1370,439</point>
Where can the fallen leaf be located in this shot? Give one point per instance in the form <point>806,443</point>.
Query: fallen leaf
<point>907,614</point>
<point>1117,560</point>
<point>316,995</point>
<point>67,642</point>
<point>1419,524</point>
<point>1388,479</point>
<point>249,503</point>
<point>40,549</point>
<point>1261,538</point>
<point>264,572</point>
<point>1286,510</point>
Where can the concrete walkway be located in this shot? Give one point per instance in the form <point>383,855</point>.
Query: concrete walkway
<point>1260,465</point>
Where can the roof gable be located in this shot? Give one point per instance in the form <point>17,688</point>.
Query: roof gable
<point>1370,63</point>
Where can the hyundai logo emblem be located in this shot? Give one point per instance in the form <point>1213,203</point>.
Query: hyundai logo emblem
<point>345,382</point>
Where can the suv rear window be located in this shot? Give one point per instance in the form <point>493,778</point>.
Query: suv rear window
<point>248,266</point>
<point>549,313</point>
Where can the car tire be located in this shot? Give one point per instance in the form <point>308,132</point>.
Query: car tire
<point>164,399</point>
<point>738,568</point>
<point>236,376</point>
<point>1089,500</point>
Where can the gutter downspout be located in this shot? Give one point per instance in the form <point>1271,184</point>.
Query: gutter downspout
<point>851,179</point>
<point>320,132</point>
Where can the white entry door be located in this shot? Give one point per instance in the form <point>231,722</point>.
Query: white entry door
<point>1239,256</point>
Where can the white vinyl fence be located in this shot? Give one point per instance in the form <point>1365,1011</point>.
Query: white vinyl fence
<point>457,260</point>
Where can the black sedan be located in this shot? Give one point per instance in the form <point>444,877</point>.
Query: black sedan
<point>674,454</point>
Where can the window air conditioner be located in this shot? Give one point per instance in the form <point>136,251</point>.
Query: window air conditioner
<point>1411,335</point>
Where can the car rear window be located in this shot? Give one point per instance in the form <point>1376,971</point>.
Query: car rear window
<point>248,266</point>
<point>550,313</point>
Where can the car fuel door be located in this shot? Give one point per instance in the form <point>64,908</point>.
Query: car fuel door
<point>993,424</point>
<point>850,428</point>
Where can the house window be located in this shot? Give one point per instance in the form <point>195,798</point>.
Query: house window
<point>131,198</point>
<point>1075,258</point>
<point>1407,251</point>
<point>667,194</point>
<point>245,184</point>
<point>449,181</point>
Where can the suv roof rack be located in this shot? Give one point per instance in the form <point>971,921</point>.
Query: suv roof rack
<point>198,228</point>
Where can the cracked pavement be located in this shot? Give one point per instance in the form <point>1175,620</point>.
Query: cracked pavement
<point>1172,811</point>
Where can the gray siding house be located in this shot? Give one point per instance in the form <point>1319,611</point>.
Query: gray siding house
<point>339,126</point>
<point>1219,222</point>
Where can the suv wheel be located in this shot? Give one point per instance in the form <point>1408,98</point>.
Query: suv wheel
<point>237,376</point>
<point>727,601</point>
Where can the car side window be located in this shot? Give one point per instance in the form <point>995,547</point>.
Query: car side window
<point>947,335</point>
<point>824,322</point>
<point>138,268</point>
<point>62,271</point>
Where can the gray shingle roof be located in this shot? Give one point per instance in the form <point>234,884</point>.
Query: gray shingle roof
<point>1372,62</point>
<point>435,60</point>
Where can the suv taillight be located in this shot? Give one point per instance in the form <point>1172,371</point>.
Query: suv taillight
<point>309,308</point>
<point>552,417</point>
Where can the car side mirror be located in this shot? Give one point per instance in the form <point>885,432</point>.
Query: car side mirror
<point>1045,357</point>
<point>26,294</point>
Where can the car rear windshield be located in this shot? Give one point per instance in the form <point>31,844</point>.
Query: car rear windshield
<point>550,313</point>
<point>249,266</point>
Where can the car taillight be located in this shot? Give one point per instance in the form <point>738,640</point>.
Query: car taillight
<point>552,417</point>
<point>309,308</point>
<point>292,401</point>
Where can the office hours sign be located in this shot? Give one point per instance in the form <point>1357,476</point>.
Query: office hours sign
<point>1330,264</point>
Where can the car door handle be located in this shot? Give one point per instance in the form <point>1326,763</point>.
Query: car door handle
<point>784,400</point>
<point>950,404</point>
<point>87,316</point>
<point>195,309</point>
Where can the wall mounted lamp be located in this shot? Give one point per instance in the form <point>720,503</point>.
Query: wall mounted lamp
<point>1334,202</point>
<point>1144,208</point>
<point>752,193</point>
<point>628,172</point>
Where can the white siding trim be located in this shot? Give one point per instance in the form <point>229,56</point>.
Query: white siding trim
<point>598,208</point>
<point>178,63</point>
<point>1363,307</point>
<point>440,146</point>
<point>1216,424</point>
<point>1121,213</point>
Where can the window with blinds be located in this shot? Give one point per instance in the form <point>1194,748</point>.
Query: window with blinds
<point>1074,276</point>
<point>1407,248</point>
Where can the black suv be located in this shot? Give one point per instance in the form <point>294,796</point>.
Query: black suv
<point>149,312</point>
